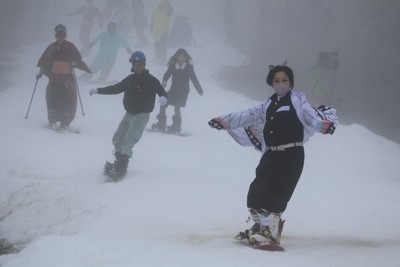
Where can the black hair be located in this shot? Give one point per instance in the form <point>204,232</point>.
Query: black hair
<point>280,68</point>
<point>174,58</point>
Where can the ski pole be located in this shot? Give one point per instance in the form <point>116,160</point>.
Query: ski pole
<point>34,90</point>
<point>79,95</point>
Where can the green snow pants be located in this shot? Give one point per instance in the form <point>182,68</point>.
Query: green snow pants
<point>129,132</point>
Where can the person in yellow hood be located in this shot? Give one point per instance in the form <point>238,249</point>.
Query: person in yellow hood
<point>160,28</point>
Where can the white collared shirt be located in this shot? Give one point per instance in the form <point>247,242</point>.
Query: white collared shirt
<point>180,67</point>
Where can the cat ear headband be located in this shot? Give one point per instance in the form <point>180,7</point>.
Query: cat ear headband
<point>271,67</point>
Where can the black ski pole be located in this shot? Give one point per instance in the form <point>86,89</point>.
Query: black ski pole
<point>79,95</point>
<point>34,90</point>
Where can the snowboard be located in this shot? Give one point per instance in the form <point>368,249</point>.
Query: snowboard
<point>261,245</point>
<point>181,133</point>
<point>266,246</point>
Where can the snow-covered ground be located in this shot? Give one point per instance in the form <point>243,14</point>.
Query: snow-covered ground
<point>184,198</point>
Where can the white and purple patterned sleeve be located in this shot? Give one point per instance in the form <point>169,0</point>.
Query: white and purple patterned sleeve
<point>243,118</point>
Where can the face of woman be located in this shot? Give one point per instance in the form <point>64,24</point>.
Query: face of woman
<point>281,83</point>
<point>181,59</point>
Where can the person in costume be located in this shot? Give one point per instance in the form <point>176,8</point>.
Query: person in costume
<point>277,128</point>
<point>324,75</point>
<point>58,62</point>
<point>90,14</point>
<point>160,29</point>
<point>109,43</point>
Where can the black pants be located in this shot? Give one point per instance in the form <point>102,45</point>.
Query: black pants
<point>277,175</point>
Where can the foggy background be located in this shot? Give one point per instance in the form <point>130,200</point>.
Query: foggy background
<point>365,33</point>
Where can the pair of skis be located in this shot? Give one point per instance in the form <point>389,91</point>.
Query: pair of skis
<point>64,130</point>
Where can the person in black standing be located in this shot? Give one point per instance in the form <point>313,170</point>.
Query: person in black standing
<point>278,127</point>
<point>140,90</point>
<point>181,69</point>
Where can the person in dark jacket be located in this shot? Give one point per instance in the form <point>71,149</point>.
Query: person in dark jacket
<point>140,91</point>
<point>181,69</point>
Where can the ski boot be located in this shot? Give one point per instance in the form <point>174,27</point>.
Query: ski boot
<point>176,125</point>
<point>53,126</point>
<point>119,168</point>
<point>160,126</point>
<point>244,236</point>
<point>108,166</point>
<point>270,231</point>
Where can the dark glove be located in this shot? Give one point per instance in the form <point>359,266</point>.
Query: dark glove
<point>40,74</point>
<point>216,124</point>
<point>323,108</point>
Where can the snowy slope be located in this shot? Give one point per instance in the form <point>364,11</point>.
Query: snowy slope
<point>183,198</point>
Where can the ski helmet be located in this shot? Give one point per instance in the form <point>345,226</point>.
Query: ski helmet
<point>137,56</point>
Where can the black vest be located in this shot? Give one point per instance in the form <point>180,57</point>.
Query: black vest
<point>282,124</point>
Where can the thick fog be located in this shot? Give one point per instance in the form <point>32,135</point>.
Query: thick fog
<point>365,33</point>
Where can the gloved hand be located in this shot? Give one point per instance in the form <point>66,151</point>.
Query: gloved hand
<point>324,108</point>
<point>162,100</point>
<point>216,124</point>
<point>92,91</point>
<point>40,74</point>
<point>326,127</point>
